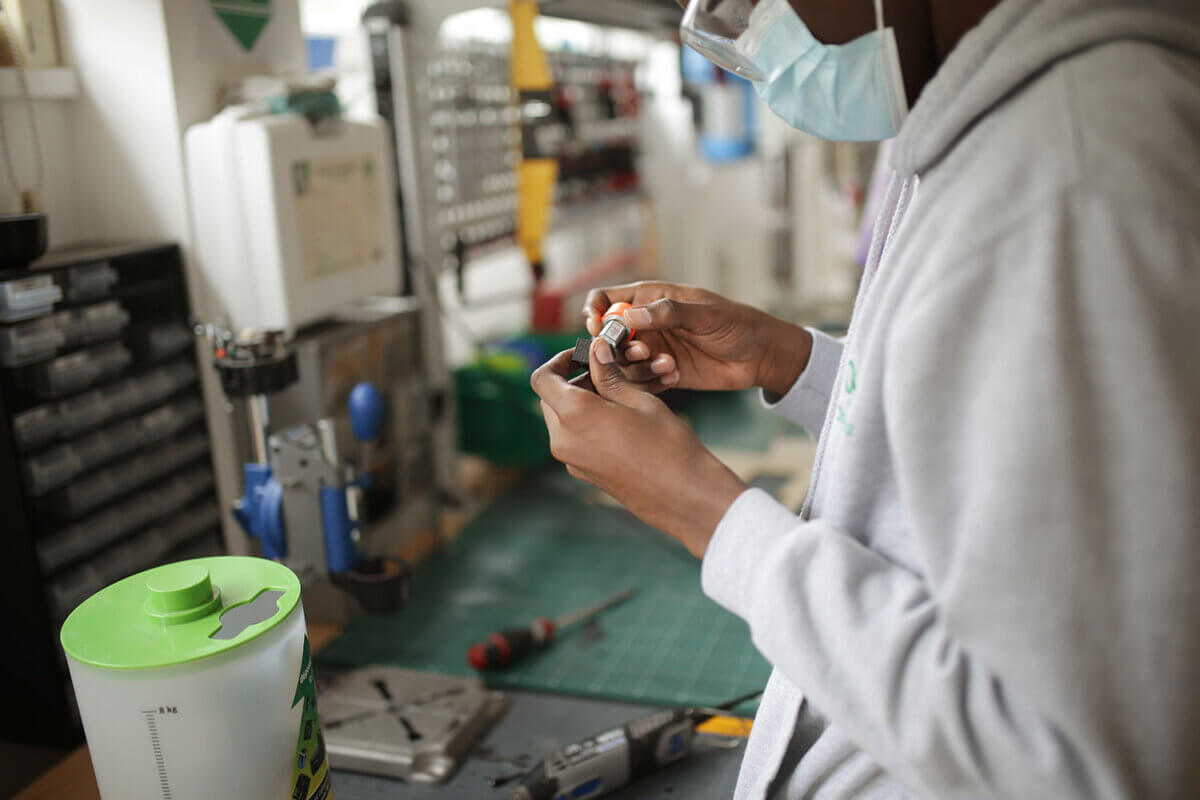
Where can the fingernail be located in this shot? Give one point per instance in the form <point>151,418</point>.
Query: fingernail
<point>670,380</point>
<point>636,352</point>
<point>661,365</point>
<point>637,316</point>
<point>604,353</point>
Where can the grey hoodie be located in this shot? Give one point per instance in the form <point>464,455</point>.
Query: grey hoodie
<point>994,588</point>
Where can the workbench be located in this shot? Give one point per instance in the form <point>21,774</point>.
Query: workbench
<point>532,723</point>
<point>521,531</point>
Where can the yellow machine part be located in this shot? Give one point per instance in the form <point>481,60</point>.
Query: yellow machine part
<point>528,67</point>
<point>536,179</point>
<point>537,173</point>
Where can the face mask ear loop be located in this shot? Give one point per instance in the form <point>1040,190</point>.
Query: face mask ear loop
<point>879,14</point>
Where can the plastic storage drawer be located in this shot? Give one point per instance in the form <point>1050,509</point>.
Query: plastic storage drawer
<point>35,427</point>
<point>102,321</point>
<point>68,418</point>
<point>83,413</point>
<point>79,370</point>
<point>162,341</point>
<point>72,326</point>
<point>95,490</point>
<point>30,341</point>
<point>96,532</point>
<point>89,281</point>
<point>170,419</point>
<point>181,374</point>
<point>28,297</point>
<point>39,339</point>
<point>105,445</point>
<point>51,469</point>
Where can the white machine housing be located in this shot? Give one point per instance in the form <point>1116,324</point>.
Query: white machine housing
<point>293,221</point>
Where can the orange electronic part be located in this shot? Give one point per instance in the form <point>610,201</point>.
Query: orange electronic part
<point>613,327</point>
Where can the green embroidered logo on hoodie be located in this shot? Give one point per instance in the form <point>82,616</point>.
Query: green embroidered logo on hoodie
<point>843,409</point>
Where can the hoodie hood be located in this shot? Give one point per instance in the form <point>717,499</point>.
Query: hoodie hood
<point>1014,42</point>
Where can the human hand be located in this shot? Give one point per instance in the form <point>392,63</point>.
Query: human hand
<point>626,442</point>
<point>695,339</point>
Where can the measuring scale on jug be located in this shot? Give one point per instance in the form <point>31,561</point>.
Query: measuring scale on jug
<point>194,680</point>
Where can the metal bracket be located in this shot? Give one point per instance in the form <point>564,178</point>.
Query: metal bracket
<point>400,723</point>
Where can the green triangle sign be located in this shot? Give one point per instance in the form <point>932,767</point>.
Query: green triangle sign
<point>245,19</point>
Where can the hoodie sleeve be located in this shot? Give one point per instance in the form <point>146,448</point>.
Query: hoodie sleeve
<point>806,402</point>
<point>1048,447</point>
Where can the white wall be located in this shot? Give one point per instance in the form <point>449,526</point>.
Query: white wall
<point>148,69</point>
<point>60,194</point>
<point>124,131</point>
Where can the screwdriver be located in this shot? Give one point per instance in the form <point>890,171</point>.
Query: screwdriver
<point>607,761</point>
<point>506,647</point>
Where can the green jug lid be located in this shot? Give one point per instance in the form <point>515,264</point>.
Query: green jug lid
<point>180,612</point>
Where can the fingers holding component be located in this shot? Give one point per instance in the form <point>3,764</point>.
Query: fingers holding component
<point>611,381</point>
<point>549,382</point>
<point>637,351</point>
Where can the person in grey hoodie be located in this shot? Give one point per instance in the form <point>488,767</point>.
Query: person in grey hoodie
<point>992,590</point>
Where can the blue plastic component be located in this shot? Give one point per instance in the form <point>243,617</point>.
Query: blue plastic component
<point>676,744</point>
<point>584,789</point>
<point>366,411</point>
<point>340,551</point>
<point>723,149</point>
<point>261,510</point>
<point>321,51</point>
<point>533,352</point>
<point>695,68</point>
<point>737,137</point>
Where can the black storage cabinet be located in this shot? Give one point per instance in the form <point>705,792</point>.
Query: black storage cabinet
<point>105,465</point>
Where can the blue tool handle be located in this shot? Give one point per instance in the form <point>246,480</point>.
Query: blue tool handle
<point>260,512</point>
<point>366,411</point>
<point>341,552</point>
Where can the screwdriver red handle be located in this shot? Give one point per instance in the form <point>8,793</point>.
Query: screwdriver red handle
<point>504,648</point>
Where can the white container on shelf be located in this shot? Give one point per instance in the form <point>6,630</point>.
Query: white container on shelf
<point>293,221</point>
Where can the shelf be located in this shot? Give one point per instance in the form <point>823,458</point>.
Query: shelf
<point>653,16</point>
<point>45,83</point>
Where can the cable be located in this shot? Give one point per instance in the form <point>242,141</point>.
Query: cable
<point>456,319</point>
<point>23,82</point>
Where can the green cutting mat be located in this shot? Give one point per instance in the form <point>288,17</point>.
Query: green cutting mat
<point>542,550</point>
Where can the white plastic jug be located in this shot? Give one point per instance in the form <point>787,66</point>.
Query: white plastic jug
<point>194,681</point>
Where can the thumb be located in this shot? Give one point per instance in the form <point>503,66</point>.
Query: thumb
<point>609,381</point>
<point>665,314</point>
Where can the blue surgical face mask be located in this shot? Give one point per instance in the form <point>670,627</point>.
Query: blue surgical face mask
<point>852,92</point>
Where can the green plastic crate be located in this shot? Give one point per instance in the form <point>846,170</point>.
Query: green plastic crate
<point>499,416</point>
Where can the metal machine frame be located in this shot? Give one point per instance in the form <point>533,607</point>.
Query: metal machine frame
<point>402,39</point>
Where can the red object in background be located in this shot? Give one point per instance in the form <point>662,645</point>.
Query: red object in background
<point>504,648</point>
<point>548,305</point>
<point>549,300</point>
<point>630,101</point>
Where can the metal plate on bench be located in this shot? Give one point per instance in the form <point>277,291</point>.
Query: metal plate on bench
<point>407,724</point>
